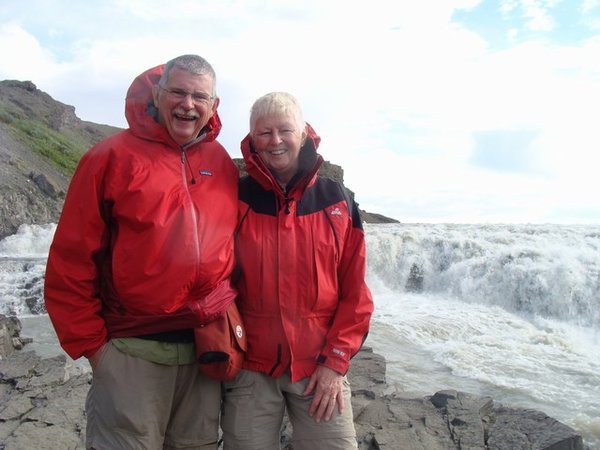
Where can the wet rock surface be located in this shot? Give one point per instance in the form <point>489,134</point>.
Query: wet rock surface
<point>42,406</point>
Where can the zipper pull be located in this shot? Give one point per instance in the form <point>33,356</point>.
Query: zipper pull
<point>184,160</point>
<point>287,204</point>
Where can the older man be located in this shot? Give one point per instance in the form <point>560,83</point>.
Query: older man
<point>142,254</point>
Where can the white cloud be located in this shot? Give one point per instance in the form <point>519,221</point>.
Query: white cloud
<point>588,6</point>
<point>398,90</point>
<point>538,14</point>
<point>22,55</point>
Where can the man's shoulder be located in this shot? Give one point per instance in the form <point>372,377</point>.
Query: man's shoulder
<point>111,140</point>
<point>121,140</point>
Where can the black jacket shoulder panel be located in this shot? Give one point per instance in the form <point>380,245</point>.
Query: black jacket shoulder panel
<point>259,200</point>
<point>356,219</point>
<point>326,192</point>
<point>323,193</point>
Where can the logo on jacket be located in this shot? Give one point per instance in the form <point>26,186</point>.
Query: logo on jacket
<point>206,173</point>
<point>336,211</point>
<point>238,331</point>
<point>337,351</point>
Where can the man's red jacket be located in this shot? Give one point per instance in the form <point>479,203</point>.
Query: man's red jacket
<point>144,235</point>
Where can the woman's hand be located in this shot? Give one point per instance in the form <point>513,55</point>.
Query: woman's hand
<point>327,385</point>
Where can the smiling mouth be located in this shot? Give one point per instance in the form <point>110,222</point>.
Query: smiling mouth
<point>186,118</point>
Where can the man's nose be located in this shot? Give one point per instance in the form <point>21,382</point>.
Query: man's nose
<point>187,101</point>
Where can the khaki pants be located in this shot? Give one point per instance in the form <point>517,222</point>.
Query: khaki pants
<point>253,410</point>
<point>137,404</point>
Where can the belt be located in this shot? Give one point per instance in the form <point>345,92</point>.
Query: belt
<point>170,336</point>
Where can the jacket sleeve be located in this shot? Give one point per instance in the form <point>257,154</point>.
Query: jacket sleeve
<point>351,321</point>
<point>71,281</point>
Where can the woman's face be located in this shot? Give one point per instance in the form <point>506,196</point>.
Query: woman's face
<point>277,139</point>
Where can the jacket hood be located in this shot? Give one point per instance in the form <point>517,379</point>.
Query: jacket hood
<point>310,160</point>
<point>140,111</point>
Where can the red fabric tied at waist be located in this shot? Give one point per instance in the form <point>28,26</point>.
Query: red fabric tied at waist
<point>196,313</point>
<point>215,304</point>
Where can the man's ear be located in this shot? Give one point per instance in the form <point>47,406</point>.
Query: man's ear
<point>155,90</point>
<point>215,105</point>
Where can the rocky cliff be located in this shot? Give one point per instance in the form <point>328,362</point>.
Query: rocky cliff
<point>41,141</point>
<point>42,405</point>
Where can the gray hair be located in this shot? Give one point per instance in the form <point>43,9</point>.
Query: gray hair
<point>276,103</point>
<point>193,64</point>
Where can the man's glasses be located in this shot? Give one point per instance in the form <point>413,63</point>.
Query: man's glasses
<point>199,98</point>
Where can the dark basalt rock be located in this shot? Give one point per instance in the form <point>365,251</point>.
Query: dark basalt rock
<point>42,404</point>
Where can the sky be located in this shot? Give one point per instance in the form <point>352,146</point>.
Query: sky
<point>458,111</point>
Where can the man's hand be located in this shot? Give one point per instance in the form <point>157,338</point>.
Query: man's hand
<point>326,384</point>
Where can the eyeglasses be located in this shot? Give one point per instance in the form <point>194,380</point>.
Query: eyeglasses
<point>179,94</point>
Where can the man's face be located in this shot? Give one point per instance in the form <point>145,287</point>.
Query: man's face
<point>185,104</point>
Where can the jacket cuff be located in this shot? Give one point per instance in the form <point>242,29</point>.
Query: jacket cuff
<point>339,365</point>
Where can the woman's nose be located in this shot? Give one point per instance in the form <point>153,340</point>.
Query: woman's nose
<point>275,138</point>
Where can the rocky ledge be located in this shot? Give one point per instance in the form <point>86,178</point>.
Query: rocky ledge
<point>42,407</point>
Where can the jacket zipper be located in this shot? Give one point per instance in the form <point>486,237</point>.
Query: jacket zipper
<point>185,164</point>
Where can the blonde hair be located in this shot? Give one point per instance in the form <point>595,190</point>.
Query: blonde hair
<point>276,103</point>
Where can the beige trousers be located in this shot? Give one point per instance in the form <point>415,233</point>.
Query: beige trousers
<point>137,404</point>
<point>253,411</point>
